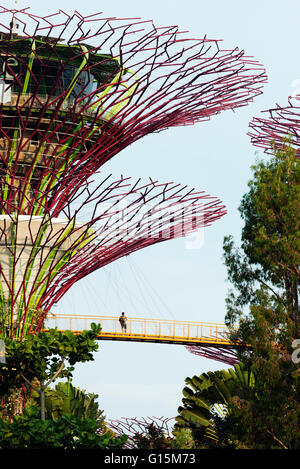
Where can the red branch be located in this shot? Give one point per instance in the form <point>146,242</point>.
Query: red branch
<point>133,427</point>
<point>224,355</point>
<point>150,79</point>
<point>282,127</point>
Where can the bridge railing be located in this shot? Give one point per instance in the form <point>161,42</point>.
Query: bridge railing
<point>163,329</point>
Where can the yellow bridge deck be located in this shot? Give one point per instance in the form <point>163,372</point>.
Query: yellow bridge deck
<point>147,330</point>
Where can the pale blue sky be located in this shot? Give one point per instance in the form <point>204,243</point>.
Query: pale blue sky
<point>144,379</point>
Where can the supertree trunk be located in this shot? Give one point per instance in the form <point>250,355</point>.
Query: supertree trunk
<point>74,92</point>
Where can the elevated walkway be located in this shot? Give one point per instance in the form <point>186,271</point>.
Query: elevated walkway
<point>147,330</point>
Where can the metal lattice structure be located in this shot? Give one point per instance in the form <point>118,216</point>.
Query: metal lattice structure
<point>226,355</point>
<point>280,128</point>
<point>139,427</point>
<point>74,92</point>
<point>43,256</point>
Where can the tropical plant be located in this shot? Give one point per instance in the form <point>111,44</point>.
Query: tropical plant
<point>66,399</point>
<point>28,431</point>
<point>207,403</point>
<point>40,359</point>
<point>153,438</point>
<point>183,439</point>
<point>144,433</point>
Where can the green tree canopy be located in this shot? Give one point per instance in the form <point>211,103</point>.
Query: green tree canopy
<point>269,255</point>
<point>41,358</point>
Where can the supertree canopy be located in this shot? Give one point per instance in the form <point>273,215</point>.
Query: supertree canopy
<point>281,127</point>
<point>74,92</point>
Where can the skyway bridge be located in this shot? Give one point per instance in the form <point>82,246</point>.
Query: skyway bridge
<point>147,330</point>
<point>205,339</point>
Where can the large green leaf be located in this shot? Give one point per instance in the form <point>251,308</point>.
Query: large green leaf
<point>209,394</point>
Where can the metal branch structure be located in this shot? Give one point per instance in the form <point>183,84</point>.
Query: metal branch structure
<point>226,355</point>
<point>43,256</point>
<point>280,128</point>
<point>75,91</point>
<point>135,428</point>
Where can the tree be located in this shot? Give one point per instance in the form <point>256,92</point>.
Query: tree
<point>270,250</point>
<point>264,303</point>
<point>28,431</point>
<point>73,417</point>
<point>65,399</point>
<point>40,359</point>
<point>153,438</point>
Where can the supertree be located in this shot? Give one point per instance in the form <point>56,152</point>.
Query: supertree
<point>74,92</point>
<point>281,127</point>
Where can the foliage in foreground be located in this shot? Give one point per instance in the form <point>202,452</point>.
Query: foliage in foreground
<point>152,433</point>
<point>156,439</point>
<point>61,418</point>
<point>207,405</point>
<point>39,360</point>
<point>66,432</point>
<point>65,399</point>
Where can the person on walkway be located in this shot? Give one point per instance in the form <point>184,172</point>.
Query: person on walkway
<point>123,322</point>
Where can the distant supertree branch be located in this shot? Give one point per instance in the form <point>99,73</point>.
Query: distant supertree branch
<point>139,427</point>
<point>280,128</point>
<point>226,355</point>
